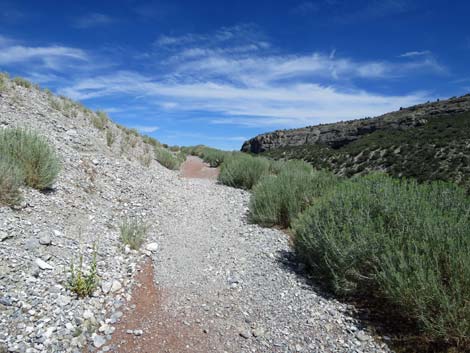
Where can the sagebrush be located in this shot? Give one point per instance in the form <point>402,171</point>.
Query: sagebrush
<point>278,199</point>
<point>243,171</point>
<point>11,179</point>
<point>33,156</point>
<point>405,243</point>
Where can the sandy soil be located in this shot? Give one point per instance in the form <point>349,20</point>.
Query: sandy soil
<point>194,167</point>
<point>161,333</point>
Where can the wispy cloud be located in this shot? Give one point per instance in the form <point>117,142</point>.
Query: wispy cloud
<point>413,54</point>
<point>93,20</point>
<point>52,57</point>
<point>146,129</point>
<point>291,105</point>
<point>237,77</point>
<point>233,76</point>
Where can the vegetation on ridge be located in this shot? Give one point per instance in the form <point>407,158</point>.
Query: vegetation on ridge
<point>437,150</point>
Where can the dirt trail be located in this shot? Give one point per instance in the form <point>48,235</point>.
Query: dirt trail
<point>224,285</point>
<point>194,167</point>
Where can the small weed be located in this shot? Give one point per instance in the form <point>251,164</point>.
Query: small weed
<point>133,233</point>
<point>82,283</point>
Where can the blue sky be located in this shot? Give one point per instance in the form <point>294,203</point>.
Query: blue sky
<point>218,72</point>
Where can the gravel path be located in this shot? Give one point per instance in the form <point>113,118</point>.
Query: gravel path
<point>232,282</point>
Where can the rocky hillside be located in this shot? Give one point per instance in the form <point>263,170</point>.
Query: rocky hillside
<point>428,141</point>
<point>107,175</point>
<point>339,134</point>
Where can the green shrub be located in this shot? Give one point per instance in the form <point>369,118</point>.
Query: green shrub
<point>100,120</point>
<point>277,200</point>
<point>11,179</point>
<point>243,171</point>
<point>81,283</point>
<point>213,156</point>
<point>22,82</point>
<point>151,141</point>
<point>110,138</point>
<point>3,82</point>
<point>32,154</point>
<point>405,243</point>
<point>55,103</point>
<point>133,233</point>
<point>168,159</point>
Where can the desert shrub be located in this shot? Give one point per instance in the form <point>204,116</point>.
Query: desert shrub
<point>213,156</point>
<point>133,233</point>
<point>100,120</point>
<point>82,283</point>
<point>11,179</point>
<point>277,200</point>
<point>405,243</point>
<point>55,103</point>
<point>22,82</point>
<point>167,159</point>
<point>243,171</point>
<point>145,159</point>
<point>151,141</point>
<point>32,154</point>
<point>110,138</point>
<point>3,82</point>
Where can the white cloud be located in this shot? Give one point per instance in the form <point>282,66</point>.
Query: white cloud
<point>413,54</point>
<point>93,20</point>
<point>146,129</point>
<point>290,105</point>
<point>236,77</point>
<point>52,57</point>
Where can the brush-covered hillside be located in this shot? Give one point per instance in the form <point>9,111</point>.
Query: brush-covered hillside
<point>429,142</point>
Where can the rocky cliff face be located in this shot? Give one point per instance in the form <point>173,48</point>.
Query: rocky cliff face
<point>339,134</point>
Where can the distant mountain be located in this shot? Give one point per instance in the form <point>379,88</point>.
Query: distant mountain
<point>429,141</point>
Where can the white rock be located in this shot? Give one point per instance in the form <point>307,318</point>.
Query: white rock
<point>106,286</point>
<point>152,247</point>
<point>98,340</point>
<point>45,239</point>
<point>5,236</point>
<point>43,265</point>
<point>63,300</point>
<point>115,286</point>
<point>87,314</point>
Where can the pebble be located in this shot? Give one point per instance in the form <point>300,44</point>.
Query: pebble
<point>43,265</point>
<point>153,247</point>
<point>98,340</point>
<point>45,239</point>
